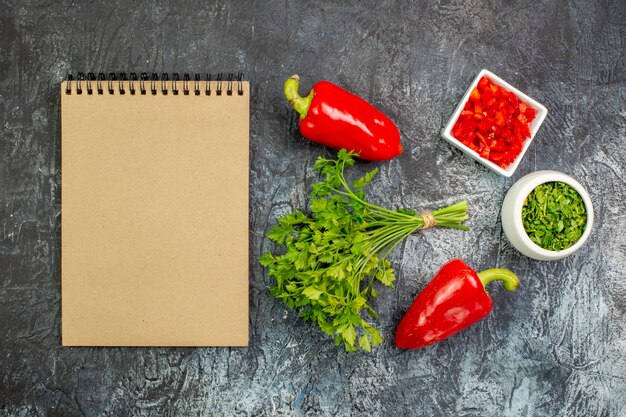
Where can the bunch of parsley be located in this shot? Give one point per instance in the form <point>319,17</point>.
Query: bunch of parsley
<point>334,255</point>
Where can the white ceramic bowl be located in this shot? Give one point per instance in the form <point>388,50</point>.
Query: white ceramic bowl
<point>512,214</point>
<point>534,125</point>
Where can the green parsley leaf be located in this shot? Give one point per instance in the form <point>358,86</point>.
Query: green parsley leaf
<point>364,343</point>
<point>279,233</point>
<point>386,277</point>
<point>312,293</point>
<point>267,259</point>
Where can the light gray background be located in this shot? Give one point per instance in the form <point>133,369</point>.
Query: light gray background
<point>556,347</point>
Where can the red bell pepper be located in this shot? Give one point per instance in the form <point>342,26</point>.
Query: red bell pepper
<point>338,119</point>
<point>454,300</point>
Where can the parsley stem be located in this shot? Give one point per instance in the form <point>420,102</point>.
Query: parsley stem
<point>384,238</point>
<point>351,194</point>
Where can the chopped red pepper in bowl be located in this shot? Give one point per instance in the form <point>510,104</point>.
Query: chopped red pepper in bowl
<point>495,123</point>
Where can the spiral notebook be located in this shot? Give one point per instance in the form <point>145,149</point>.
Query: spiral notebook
<point>154,225</point>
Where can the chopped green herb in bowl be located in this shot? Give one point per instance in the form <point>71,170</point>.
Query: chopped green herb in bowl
<point>554,216</point>
<point>547,215</point>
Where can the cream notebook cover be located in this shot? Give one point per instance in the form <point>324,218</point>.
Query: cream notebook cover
<point>154,223</point>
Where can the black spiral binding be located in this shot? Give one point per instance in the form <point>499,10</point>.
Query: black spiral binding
<point>123,81</point>
<point>99,82</point>
<point>154,84</point>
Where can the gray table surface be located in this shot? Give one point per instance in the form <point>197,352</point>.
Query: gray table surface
<point>556,347</point>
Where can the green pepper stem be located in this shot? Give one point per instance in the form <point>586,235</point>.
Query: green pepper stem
<point>300,104</point>
<point>508,278</point>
